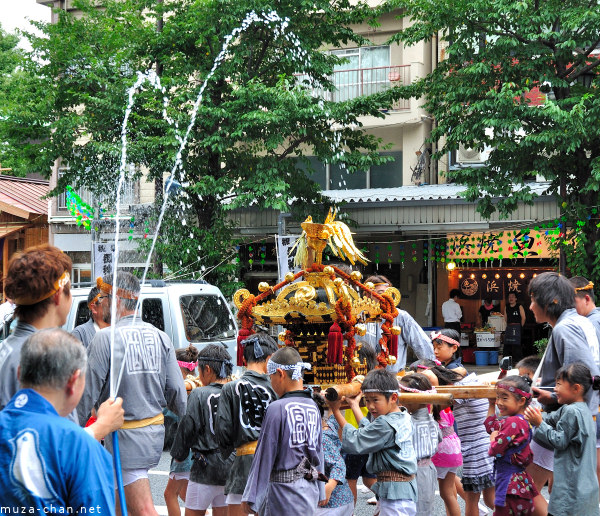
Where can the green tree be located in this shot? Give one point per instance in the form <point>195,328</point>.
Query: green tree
<point>495,53</point>
<point>15,86</point>
<point>257,121</point>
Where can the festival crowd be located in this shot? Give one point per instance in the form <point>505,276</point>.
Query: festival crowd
<point>262,443</point>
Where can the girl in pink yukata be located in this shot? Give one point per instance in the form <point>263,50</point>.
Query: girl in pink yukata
<point>510,435</point>
<point>447,460</point>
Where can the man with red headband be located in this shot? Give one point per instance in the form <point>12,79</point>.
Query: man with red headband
<point>151,380</point>
<point>38,282</point>
<point>99,317</point>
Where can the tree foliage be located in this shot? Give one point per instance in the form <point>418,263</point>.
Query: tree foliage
<point>17,106</point>
<point>496,53</point>
<point>257,119</point>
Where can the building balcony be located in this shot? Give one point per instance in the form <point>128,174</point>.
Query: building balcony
<point>353,83</point>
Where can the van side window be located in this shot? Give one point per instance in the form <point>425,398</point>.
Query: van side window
<point>206,317</point>
<point>152,312</point>
<point>83,314</point>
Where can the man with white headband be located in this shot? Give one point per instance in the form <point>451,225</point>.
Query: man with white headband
<point>240,416</point>
<point>288,464</point>
<point>38,282</point>
<point>150,382</point>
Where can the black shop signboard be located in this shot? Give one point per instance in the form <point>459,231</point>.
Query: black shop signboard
<point>494,284</point>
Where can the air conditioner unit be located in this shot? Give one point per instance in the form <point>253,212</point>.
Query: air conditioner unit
<point>468,155</point>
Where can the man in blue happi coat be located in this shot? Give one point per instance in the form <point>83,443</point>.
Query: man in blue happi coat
<point>48,464</point>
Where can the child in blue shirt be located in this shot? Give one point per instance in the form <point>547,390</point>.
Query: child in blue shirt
<point>339,500</point>
<point>387,440</point>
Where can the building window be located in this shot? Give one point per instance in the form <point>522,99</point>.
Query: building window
<point>85,195</point>
<point>128,193</point>
<point>335,177</point>
<point>366,71</point>
<point>388,175</point>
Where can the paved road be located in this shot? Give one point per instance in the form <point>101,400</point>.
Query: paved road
<point>159,477</point>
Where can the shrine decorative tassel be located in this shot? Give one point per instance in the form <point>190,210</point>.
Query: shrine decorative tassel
<point>393,350</point>
<point>243,334</point>
<point>335,345</point>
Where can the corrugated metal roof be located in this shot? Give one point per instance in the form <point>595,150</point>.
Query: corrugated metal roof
<point>23,197</point>
<point>412,193</point>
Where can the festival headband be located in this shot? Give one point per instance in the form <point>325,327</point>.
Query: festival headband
<point>445,338</point>
<point>379,284</point>
<point>390,391</point>
<point>589,286</point>
<point>95,299</point>
<point>188,365</point>
<point>224,362</point>
<point>411,389</point>
<point>513,389</point>
<point>121,292</point>
<point>258,350</point>
<point>298,367</point>
<point>58,284</point>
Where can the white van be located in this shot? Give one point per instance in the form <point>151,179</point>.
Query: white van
<point>189,313</point>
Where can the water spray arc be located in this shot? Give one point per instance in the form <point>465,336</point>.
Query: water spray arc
<point>279,30</point>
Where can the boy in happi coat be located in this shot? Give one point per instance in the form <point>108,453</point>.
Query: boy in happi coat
<point>284,478</point>
<point>387,440</point>
<point>241,413</point>
<point>197,431</point>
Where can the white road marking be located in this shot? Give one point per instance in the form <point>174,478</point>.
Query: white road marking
<point>158,472</point>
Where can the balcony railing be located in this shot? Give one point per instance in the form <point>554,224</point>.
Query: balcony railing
<point>350,84</point>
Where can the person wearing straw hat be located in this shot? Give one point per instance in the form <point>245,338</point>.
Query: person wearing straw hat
<point>48,464</point>
<point>146,375</point>
<point>38,282</point>
<point>99,317</point>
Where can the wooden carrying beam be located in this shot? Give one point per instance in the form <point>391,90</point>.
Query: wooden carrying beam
<point>442,399</point>
<point>465,392</point>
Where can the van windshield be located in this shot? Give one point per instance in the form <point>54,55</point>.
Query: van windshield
<point>206,317</point>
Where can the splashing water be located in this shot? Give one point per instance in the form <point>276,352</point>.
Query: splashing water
<point>279,29</point>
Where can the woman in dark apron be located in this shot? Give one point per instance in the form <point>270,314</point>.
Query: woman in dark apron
<point>515,319</point>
